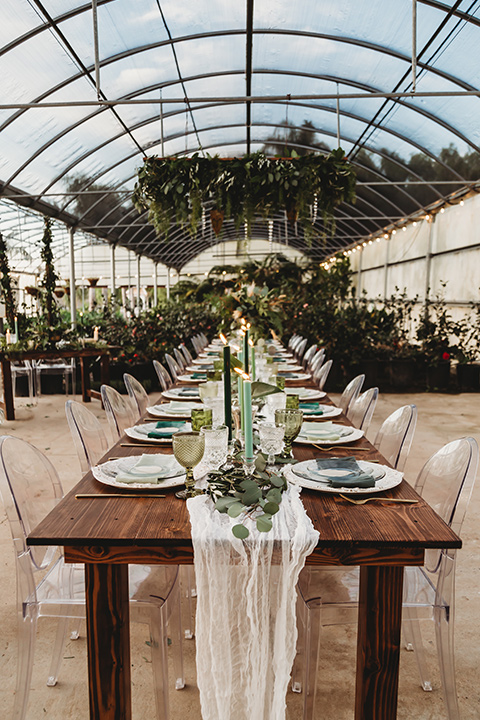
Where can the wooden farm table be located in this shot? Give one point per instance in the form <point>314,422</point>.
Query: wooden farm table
<point>108,534</point>
<point>84,354</point>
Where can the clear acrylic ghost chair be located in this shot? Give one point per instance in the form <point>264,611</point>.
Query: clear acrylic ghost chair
<point>58,366</point>
<point>395,436</point>
<point>136,393</point>
<point>292,341</point>
<point>301,349</point>
<point>317,360</point>
<point>163,376</point>
<point>351,392</point>
<point>321,375</point>
<point>24,369</point>
<point>173,366</point>
<point>180,359</point>
<point>186,353</point>
<point>48,587</point>
<point>360,411</point>
<point>204,339</point>
<point>309,355</point>
<point>87,433</point>
<point>330,596</point>
<point>119,409</point>
<point>197,344</point>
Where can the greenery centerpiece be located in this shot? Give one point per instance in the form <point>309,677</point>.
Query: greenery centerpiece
<point>180,188</point>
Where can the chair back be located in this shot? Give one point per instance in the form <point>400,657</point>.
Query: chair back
<point>30,488</point>
<point>87,433</point>
<point>446,483</point>
<point>395,436</point>
<point>321,374</point>
<point>351,392</point>
<point>300,349</point>
<point>360,411</point>
<point>119,409</point>
<point>309,355</point>
<point>163,377</point>
<point>186,353</point>
<point>136,393</point>
<point>317,360</point>
<point>180,359</point>
<point>173,366</point>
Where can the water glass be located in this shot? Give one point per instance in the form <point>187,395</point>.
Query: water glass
<point>201,418</point>
<point>271,440</point>
<point>208,390</point>
<point>291,420</point>
<point>216,446</point>
<point>293,402</point>
<point>273,402</point>
<point>188,448</point>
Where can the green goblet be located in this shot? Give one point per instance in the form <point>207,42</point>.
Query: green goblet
<point>291,420</point>
<point>292,402</point>
<point>188,448</point>
<point>201,418</point>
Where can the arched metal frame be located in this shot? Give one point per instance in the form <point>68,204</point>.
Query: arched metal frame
<point>132,231</point>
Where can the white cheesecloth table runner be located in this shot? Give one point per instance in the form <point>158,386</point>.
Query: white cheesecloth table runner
<point>245,624</point>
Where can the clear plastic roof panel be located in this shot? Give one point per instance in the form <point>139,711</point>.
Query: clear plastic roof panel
<point>181,73</point>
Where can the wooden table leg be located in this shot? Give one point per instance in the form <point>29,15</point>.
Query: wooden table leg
<point>85,376</point>
<point>9,405</point>
<point>378,644</point>
<point>108,641</point>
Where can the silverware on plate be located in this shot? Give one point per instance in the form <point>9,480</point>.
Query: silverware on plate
<point>362,501</point>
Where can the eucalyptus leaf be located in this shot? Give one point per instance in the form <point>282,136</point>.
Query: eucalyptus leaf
<point>264,523</point>
<point>274,495</point>
<point>270,507</point>
<point>260,462</point>
<point>260,389</point>
<point>240,531</point>
<point>236,509</point>
<point>223,503</point>
<point>277,480</point>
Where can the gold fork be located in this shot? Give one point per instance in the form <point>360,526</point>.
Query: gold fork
<point>362,501</point>
<point>340,447</point>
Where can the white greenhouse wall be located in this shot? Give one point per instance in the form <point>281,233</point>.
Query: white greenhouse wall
<point>444,250</point>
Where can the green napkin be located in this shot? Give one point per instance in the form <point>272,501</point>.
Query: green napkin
<point>312,408</point>
<point>354,476</point>
<point>150,469</point>
<point>165,428</point>
<point>199,376</point>
<point>190,392</point>
<point>321,431</point>
<point>288,374</point>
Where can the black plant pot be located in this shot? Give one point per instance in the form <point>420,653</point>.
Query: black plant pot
<point>405,374</point>
<point>438,376</point>
<point>468,377</point>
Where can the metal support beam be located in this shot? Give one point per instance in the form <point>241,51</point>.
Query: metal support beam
<point>168,283</point>
<point>112,270</point>
<point>414,45</point>
<point>73,297</point>
<point>138,284</point>
<point>96,48</point>
<point>155,284</point>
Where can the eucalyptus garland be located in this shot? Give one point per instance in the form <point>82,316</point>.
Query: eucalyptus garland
<point>50,277</point>
<point>6,283</point>
<point>257,496</point>
<point>177,189</point>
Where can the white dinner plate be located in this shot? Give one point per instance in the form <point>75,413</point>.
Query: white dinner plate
<point>190,379</point>
<point>290,368</point>
<point>297,375</point>
<point>385,478</point>
<point>165,410</point>
<point>202,368</point>
<point>176,394</point>
<point>305,393</point>
<point>107,472</point>
<point>205,360</point>
<point>349,435</point>
<point>140,432</point>
<point>329,411</point>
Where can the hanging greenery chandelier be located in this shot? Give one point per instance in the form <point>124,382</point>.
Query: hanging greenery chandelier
<point>179,189</point>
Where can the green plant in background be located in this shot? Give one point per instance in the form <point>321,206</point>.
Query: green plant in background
<point>6,284</point>
<point>436,331</point>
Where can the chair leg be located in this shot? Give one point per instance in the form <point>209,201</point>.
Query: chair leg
<point>158,643</point>
<point>176,634</point>
<point>187,582</point>
<point>26,647</point>
<point>75,631</point>
<point>444,630</point>
<point>61,636</point>
<point>414,635</point>
<point>298,668</point>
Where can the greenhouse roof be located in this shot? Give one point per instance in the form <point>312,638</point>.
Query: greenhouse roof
<point>91,88</point>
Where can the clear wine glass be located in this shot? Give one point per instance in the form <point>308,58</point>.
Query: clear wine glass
<point>271,440</point>
<point>188,448</point>
<point>291,420</point>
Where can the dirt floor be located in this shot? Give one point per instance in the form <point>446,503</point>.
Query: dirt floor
<point>441,418</point>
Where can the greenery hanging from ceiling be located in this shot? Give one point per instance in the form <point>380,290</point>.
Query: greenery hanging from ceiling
<point>177,189</point>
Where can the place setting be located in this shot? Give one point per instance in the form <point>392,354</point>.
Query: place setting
<point>157,432</point>
<point>328,433</point>
<point>141,472</point>
<point>182,393</point>
<point>181,409</point>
